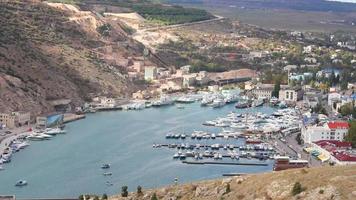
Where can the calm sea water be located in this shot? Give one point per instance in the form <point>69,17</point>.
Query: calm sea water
<point>69,165</point>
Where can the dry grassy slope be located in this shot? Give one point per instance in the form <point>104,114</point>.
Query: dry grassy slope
<point>49,52</point>
<point>323,183</point>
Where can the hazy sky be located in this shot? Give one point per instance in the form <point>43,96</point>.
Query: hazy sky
<point>350,1</point>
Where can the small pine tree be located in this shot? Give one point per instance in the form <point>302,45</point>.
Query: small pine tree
<point>297,188</point>
<point>228,189</point>
<point>96,197</point>
<point>104,197</point>
<point>139,190</point>
<point>154,197</point>
<point>124,192</point>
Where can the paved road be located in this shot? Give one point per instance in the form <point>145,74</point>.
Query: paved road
<point>293,144</point>
<point>17,132</point>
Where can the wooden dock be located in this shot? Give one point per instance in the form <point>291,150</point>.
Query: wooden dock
<point>223,163</point>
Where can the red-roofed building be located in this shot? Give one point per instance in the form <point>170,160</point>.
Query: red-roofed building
<point>334,143</point>
<point>339,152</point>
<point>338,125</point>
<point>345,157</point>
<point>328,131</point>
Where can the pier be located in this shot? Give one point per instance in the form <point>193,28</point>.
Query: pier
<point>70,117</point>
<point>223,163</point>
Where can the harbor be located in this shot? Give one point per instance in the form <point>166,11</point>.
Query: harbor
<point>106,137</point>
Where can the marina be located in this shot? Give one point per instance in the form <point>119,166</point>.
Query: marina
<point>86,146</point>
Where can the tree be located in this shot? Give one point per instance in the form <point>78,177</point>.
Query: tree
<point>96,197</point>
<point>124,192</point>
<point>228,189</point>
<point>154,197</point>
<point>351,135</point>
<point>104,197</point>
<point>348,110</point>
<point>319,109</point>
<point>297,188</point>
<point>139,190</point>
<point>276,89</point>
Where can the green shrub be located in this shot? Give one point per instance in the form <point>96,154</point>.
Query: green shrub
<point>154,197</point>
<point>228,189</point>
<point>124,192</point>
<point>139,190</point>
<point>297,188</point>
<point>104,197</point>
<point>321,191</point>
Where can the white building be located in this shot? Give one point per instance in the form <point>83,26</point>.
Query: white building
<point>291,95</point>
<point>333,98</point>
<point>150,73</point>
<point>328,131</point>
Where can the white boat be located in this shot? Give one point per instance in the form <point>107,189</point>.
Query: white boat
<point>185,99</point>
<point>54,131</point>
<point>217,103</point>
<point>163,101</point>
<point>21,183</point>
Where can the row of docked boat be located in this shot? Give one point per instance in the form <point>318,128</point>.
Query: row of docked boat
<point>217,146</point>
<point>205,135</point>
<point>258,122</point>
<point>14,146</point>
<point>216,155</point>
<point>46,134</point>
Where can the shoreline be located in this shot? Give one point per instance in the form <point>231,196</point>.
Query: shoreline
<point>23,131</point>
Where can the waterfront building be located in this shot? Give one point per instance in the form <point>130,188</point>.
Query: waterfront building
<point>327,131</point>
<point>22,118</point>
<point>14,119</point>
<point>263,91</point>
<point>104,102</point>
<point>150,73</point>
<point>291,95</point>
<point>7,120</point>
<point>189,80</point>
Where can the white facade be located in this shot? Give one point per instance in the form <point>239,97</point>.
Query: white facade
<point>312,134</point>
<point>290,95</point>
<point>150,73</point>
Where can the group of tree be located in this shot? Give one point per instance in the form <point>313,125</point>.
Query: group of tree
<point>276,89</point>
<point>351,135</point>
<point>348,109</point>
<point>171,14</point>
<point>319,109</point>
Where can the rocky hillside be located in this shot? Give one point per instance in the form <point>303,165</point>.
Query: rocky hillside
<point>52,51</point>
<point>325,183</point>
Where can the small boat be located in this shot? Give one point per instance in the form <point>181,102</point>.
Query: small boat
<point>21,183</point>
<point>107,174</point>
<point>105,166</point>
<point>176,156</point>
<point>217,103</point>
<point>243,104</point>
